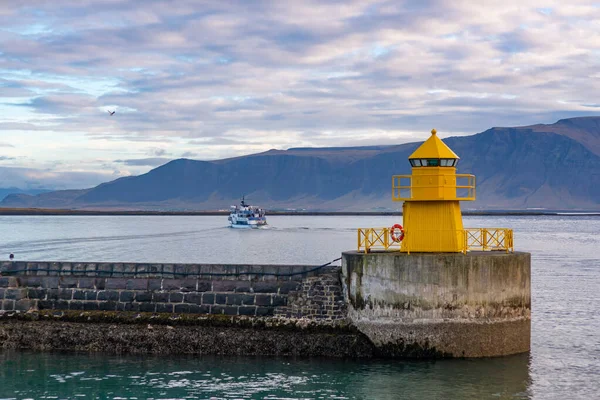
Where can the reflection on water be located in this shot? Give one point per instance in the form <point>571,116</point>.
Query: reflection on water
<point>564,362</point>
<point>28,375</point>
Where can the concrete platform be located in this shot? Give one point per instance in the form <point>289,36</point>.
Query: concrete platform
<point>441,304</point>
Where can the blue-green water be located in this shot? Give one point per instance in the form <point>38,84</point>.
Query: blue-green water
<point>564,362</point>
<point>27,375</point>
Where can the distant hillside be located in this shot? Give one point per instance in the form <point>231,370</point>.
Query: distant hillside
<point>585,130</point>
<point>6,191</point>
<point>541,166</point>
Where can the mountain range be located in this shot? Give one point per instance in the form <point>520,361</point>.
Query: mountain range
<point>12,190</point>
<point>555,166</point>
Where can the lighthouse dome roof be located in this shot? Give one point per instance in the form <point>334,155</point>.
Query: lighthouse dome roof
<point>433,147</point>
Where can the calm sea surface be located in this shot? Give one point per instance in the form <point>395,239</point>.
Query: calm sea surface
<point>564,362</point>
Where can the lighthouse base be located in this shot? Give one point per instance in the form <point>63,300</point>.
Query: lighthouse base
<point>440,304</point>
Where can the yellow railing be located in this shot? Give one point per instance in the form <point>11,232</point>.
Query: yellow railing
<point>402,191</point>
<point>399,191</point>
<point>376,239</point>
<point>470,239</point>
<point>485,239</point>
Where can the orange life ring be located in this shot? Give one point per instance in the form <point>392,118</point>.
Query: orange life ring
<point>397,237</point>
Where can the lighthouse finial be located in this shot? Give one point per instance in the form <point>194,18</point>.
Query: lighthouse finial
<point>433,131</point>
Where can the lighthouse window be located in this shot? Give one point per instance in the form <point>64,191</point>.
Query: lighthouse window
<point>448,162</point>
<point>433,162</point>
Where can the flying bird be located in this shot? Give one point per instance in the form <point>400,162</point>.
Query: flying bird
<point>110,112</point>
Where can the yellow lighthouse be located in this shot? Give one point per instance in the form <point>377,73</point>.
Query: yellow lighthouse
<point>431,195</point>
<point>431,209</point>
<point>433,260</point>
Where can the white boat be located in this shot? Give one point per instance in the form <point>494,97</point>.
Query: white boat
<point>246,216</point>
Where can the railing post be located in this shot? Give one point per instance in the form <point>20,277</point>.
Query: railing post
<point>484,239</point>
<point>386,238</point>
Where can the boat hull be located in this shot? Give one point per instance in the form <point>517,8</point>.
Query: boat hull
<point>247,223</point>
<point>240,226</point>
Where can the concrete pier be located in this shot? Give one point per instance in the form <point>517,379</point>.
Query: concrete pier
<point>440,304</point>
<point>389,304</point>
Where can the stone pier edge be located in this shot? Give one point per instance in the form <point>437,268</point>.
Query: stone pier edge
<point>310,306</point>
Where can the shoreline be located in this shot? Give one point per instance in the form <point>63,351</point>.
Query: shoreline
<point>67,212</point>
<point>166,334</point>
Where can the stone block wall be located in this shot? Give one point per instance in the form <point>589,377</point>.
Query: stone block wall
<point>245,290</point>
<point>318,297</point>
<point>149,270</point>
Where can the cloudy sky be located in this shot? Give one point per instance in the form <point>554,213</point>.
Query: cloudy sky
<point>214,79</point>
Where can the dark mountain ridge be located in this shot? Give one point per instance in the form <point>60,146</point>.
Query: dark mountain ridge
<point>541,166</point>
<point>12,190</point>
